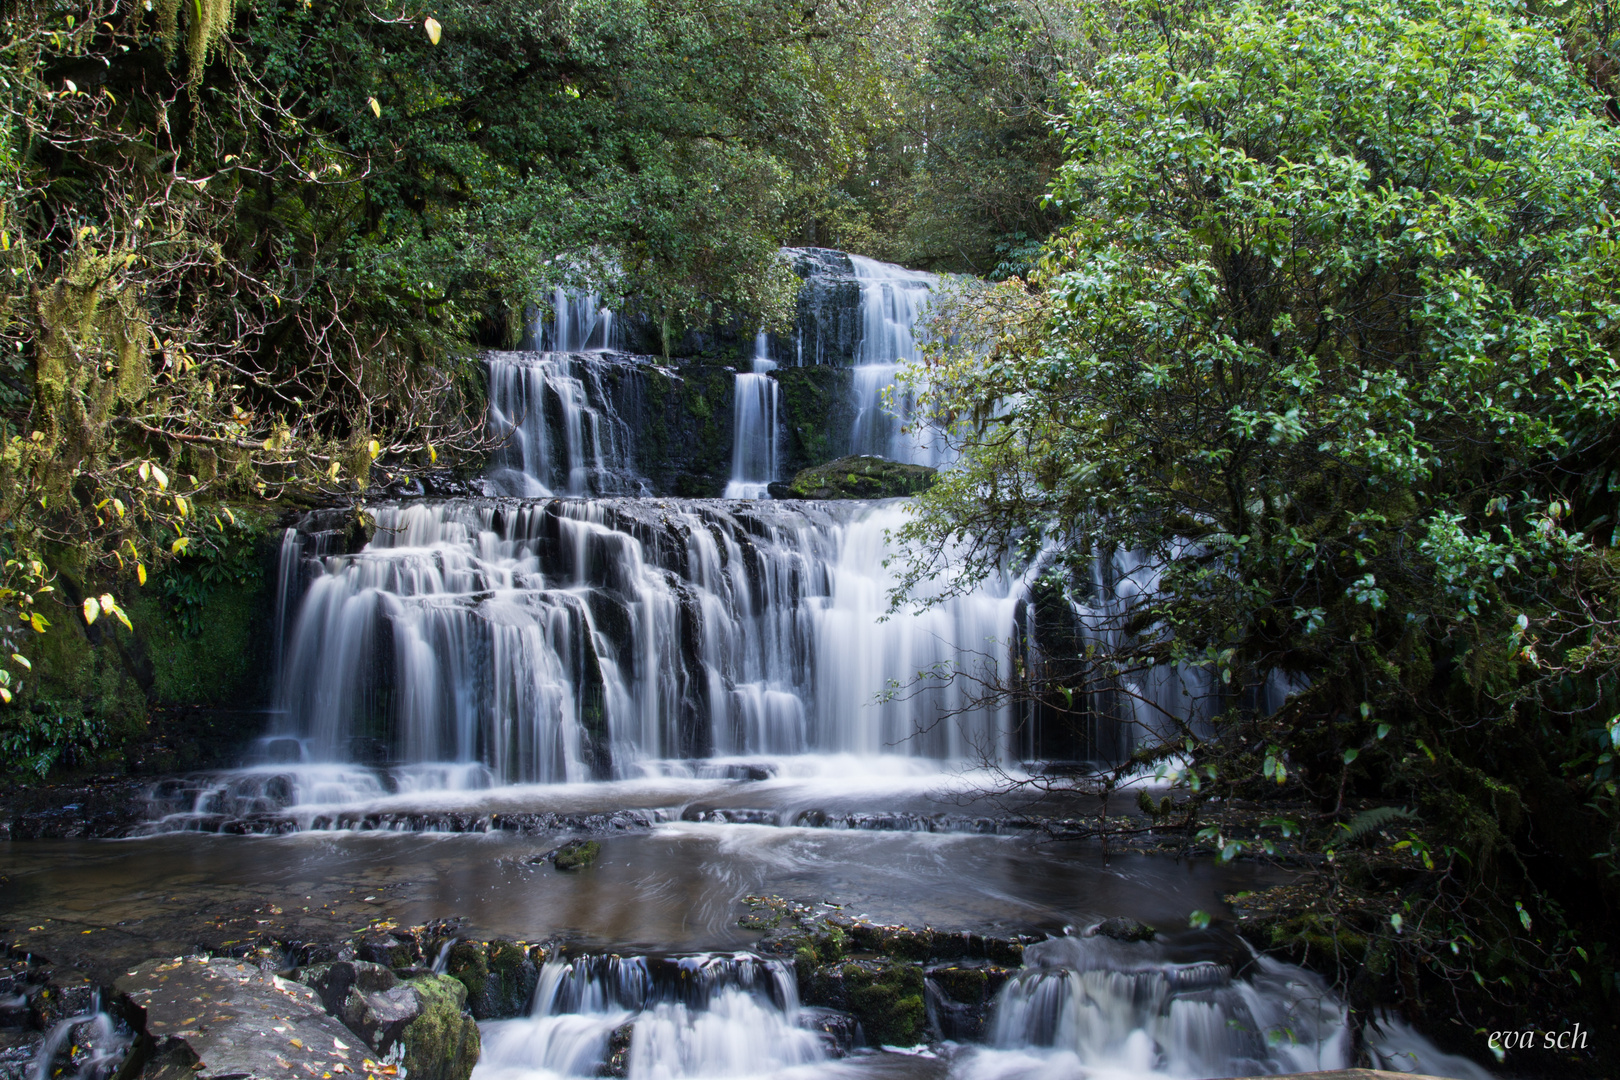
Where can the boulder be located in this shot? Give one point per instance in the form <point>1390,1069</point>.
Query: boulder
<point>1122,929</point>
<point>442,1043</point>
<point>857,477</point>
<point>420,1020</point>
<point>576,855</point>
<point>240,1021</point>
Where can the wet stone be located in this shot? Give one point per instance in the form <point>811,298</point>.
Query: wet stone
<point>17,1048</point>
<point>1122,929</point>
<point>241,1021</point>
<point>576,855</point>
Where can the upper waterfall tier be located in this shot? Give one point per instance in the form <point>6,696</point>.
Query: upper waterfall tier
<point>564,640</point>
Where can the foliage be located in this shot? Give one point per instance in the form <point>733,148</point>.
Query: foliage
<point>225,553</point>
<point>1330,345</point>
<point>247,250</point>
<point>36,741</point>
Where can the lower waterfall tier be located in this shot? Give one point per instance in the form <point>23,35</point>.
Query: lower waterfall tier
<point>568,640</point>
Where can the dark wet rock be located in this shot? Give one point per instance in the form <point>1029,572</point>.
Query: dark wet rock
<point>387,950</point>
<point>857,477</point>
<point>961,998</point>
<point>18,1046</point>
<point>828,325</point>
<point>367,998</point>
<point>1122,929</point>
<point>576,855</point>
<point>171,1059</point>
<point>99,809</point>
<point>240,1020</point>
<point>510,983</point>
<point>838,1030</point>
<point>51,1004</point>
<point>618,1055</point>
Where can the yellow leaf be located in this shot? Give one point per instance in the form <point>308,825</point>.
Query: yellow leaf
<point>108,603</point>
<point>179,545</point>
<point>145,470</point>
<point>118,505</point>
<point>140,573</point>
<point>376,107</point>
<point>38,622</point>
<point>230,517</point>
<point>333,471</point>
<point>433,455</point>
<point>161,477</point>
<point>431,25</point>
<point>180,505</point>
<point>124,619</point>
<point>90,610</point>
<point>5,695</point>
<point>374,449</point>
<point>23,660</point>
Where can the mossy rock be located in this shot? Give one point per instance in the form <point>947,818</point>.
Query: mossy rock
<point>857,477</point>
<point>887,999</point>
<point>967,985</point>
<point>443,1042</point>
<point>576,855</point>
<point>510,983</point>
<point>467,965</point>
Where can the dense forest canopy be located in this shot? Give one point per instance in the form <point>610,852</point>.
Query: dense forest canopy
<point>1312,303</point>
<point>1331,340</point>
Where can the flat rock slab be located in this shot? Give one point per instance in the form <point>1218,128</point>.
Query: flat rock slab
<point>243,1023</point>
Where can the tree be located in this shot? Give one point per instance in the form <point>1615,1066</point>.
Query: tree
<point>1330,343</point>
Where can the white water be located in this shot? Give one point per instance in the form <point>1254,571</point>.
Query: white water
<point>561,434</point>
<point>578,322</point>
<point>887,423</point>
<point>565,640</point>
<point>701,1016</point>
<point>756,426</point>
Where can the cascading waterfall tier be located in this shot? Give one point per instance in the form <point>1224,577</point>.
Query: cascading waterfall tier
<point>757,427</point>
<point>578,322</point>
<point>887,424</point>
<point>561,431</point>
<point>705,1016</point>
<point>1093,1007</point>
<point>570,639</point>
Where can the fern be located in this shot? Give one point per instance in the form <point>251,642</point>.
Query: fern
<point>1370,821</point>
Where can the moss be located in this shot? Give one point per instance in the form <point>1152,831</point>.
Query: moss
<point>443,1042</point>
<point>887,999</point>
<point>139,690</point>
<point>511,981</point>
<point>467,965</point>
<point>859,478</point>
<point>576,855</point>
<point>817,407</point>
<point>964,984</point>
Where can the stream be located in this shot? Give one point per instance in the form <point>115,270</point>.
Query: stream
<point>716,692</point>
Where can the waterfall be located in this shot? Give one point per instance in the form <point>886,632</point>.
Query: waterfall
<point>756,427</point>
<point>578,323</point>
<point>567,639</point>
<point>696,1016</point>
<point>561,431</point>
<point>892,299</point>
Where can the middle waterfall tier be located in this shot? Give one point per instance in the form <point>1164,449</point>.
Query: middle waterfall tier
<point>567,639</point>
